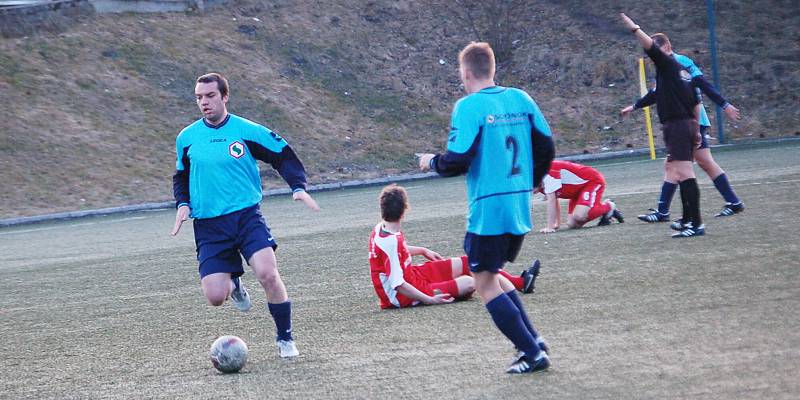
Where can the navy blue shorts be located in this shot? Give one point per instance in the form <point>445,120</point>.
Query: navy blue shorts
<point>490,253</point>
<point>221,239</point>
<point>703,139</point>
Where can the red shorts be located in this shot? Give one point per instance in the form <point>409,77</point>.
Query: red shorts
<point>434,275</point>
<point>590,195</point>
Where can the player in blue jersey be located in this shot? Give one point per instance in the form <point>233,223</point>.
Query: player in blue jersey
<point>217,181</point>
<point>702,154</point>
<point>501,141</point>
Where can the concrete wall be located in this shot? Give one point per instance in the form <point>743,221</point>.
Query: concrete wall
<point>53,16</point>
<point>145,6</point>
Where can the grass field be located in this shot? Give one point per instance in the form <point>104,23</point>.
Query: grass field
<point>111,307</point>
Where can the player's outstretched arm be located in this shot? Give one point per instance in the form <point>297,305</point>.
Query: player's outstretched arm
<point>422,251</point>
<point>305,198</point>
<point>408,290</point>
<point>709,90</point>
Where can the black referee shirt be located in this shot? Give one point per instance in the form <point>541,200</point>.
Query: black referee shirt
<point>675,95</point>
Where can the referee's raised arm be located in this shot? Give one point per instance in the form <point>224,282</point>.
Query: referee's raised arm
<point>643,38</point>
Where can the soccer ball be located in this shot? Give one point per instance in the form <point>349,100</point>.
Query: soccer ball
<point>228,354</point>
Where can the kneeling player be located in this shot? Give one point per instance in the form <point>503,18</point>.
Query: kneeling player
<point>583,186</point>
<point>398,283</point>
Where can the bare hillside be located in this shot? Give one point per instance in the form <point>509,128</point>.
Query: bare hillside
<point>355,86</point>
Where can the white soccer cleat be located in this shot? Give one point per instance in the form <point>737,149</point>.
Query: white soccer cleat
<point>240,297</point>
<point>287,348</point>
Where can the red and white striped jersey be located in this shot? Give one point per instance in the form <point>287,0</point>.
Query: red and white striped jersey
<point>388,259</point>
<point>567,179</point>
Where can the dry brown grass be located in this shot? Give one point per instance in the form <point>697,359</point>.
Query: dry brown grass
<point>356,87</point>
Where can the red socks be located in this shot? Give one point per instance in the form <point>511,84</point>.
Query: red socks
<point>599,210</point>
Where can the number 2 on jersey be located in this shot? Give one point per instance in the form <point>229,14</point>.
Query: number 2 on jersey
<point>511,144</point>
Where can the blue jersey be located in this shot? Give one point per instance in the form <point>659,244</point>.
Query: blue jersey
<point>492,128</point>
<point>689,65</point>
<point>216,169</point>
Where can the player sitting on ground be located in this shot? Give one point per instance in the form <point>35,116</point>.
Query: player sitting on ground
<point>399,284</point>
<point>584,187</point>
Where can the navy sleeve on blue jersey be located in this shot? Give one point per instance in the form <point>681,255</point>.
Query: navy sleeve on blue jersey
<point>180,181</point>
<point>709,90</point>
<point>453,164</point>
<point>647,100</point>
<point>285,162</point>
<point>544,151</point>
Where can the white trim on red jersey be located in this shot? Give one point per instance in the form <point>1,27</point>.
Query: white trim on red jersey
<point>552,184</point>
<point>389,246</point>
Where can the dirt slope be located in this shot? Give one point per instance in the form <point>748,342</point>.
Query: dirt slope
<point>355,86</point>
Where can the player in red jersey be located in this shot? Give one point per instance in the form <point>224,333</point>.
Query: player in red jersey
<point>398,283</point>
<point>583,186</point>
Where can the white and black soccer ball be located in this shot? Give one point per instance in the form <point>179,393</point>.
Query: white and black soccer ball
<point>228,354</point>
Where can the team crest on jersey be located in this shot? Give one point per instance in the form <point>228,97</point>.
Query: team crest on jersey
<point>236,149</point>
<point>686,76</point>
<point>490,119</point>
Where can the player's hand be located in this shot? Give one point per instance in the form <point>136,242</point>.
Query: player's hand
<point>181,215</point>
<point>625,111</point>
<point>732,112</point>
<point>432,255</point>
<point>440,298</point>
<point>425,161</point>
<point>548,230</point>
<point>306,198</point>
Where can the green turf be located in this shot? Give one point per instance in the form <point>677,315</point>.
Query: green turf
<point>111,307</point>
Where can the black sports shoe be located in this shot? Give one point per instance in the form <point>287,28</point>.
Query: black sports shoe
<point>689,231</point>
<point>677,225</point>
<point>730,209</point>
<point>654,216</point>
<point>615,213</point>
<point>529,277</point>
<point>524,365</point>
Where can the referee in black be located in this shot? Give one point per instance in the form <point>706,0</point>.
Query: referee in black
<point>678,110</point>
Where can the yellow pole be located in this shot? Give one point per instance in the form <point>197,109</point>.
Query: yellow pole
<point>643,91</point>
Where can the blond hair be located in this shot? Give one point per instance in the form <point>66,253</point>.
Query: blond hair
<point>478,58</point>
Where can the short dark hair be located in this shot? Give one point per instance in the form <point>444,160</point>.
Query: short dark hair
<point>222,83</point>
<point>661,39</point>
<point>478,58</point>
<point>394,202</point>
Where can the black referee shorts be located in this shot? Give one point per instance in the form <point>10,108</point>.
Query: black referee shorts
<point>681,136</point>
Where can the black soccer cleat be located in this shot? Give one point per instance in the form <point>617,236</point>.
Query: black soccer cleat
<point>614,213</point>
<point>524,365</point>
<point>654,216</point>
<point>677,225</point>
<point>529,277</point>
<point>617,214</point>
<point>730,209</point>
<point>690,231</point>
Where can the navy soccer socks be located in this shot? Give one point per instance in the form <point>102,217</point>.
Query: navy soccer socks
<point>517,302</point>
<point>508,319</point>
<point>664,200</point>
<point>725,189</point>
<point>282,315</point>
